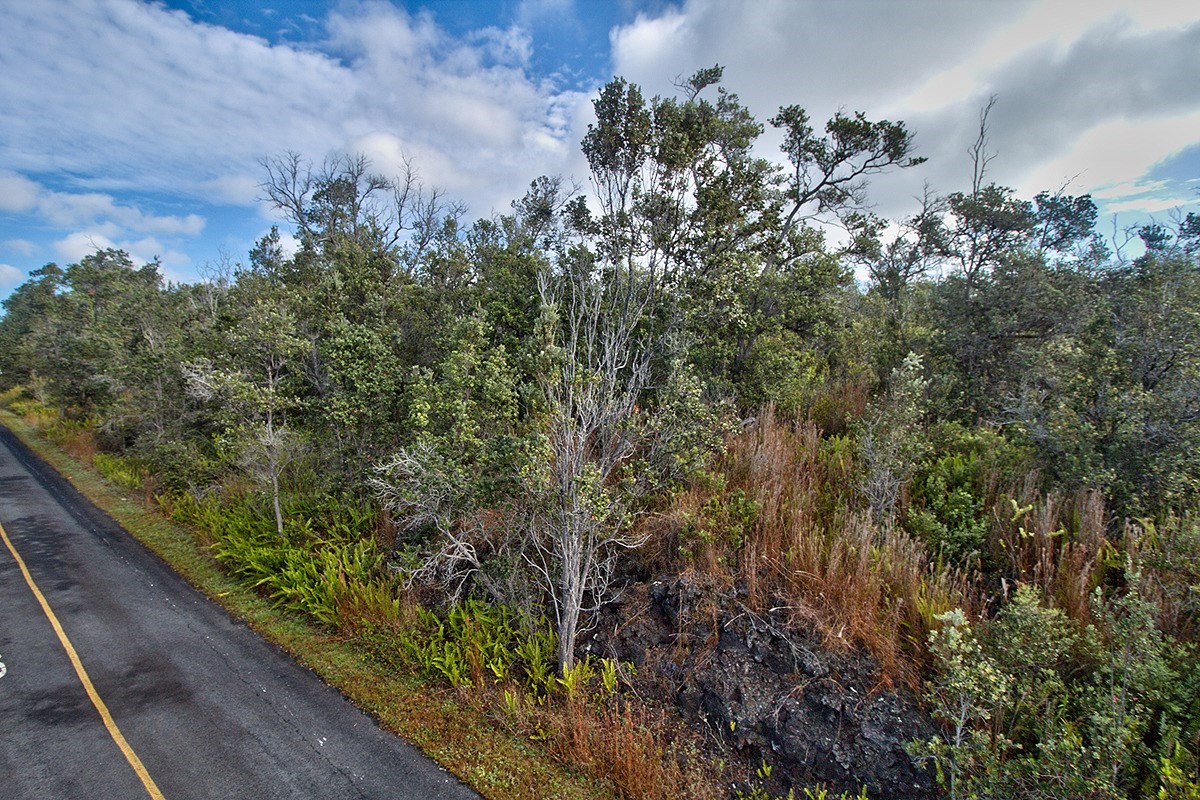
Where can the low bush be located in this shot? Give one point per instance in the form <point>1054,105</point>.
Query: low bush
<point>1035,705</point>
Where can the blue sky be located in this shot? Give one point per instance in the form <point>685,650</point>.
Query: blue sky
<point>140,125</point>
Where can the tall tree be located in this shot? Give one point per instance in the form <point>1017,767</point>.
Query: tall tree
<point>252,385</point>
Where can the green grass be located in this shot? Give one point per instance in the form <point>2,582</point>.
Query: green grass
<point>438,720</point>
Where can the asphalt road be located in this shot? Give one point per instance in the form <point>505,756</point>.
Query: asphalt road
<point>208,708</point>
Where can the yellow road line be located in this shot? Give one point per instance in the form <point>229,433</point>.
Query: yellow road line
<point>113,730</point>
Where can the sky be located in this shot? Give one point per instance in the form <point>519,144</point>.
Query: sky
<point>142,125</point>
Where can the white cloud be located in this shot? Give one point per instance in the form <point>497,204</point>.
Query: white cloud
<point>288,243</point>
<point>153,100</point>
<point>17,193</point>
<point>133,97</point>
<point>239,190</point>
<point>530,12</point>
<point>10,276</point>
<point>149,97</point>
<point>66,210</point>
<point>1148,205</point>
<point>820,55</point>
<point>1112,157</point>
<point>77,245</point>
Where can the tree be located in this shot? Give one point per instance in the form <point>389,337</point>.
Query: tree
<point>30,304</point>
<point>380,263</point>
<point>683,203</point>
<point>89,314</point>
<point>253,388</point>
<point>592,431</point>
<point>464,458</point>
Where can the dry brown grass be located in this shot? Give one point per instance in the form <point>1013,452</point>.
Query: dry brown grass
<point>1167,553</point>
<point>634,748</point>
<point>642,753</point>
<point>78,441</point>
<point>810,552</point>
<point>838,401</point>
<point>637,752</point>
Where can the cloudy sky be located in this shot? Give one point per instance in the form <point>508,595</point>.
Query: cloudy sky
<point>141,125</point>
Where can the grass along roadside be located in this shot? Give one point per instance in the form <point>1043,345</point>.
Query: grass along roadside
<point>438,720</point>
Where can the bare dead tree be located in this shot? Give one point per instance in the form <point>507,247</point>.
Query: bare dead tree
<point>423,491</point>
<point>215,280</point>
<point>288,185</point>
<point>344,200</point>
<point>580,524</point>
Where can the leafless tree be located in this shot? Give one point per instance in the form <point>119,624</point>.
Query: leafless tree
<point>580,522</point>
<point>343,200</point>
<point>980,155</point>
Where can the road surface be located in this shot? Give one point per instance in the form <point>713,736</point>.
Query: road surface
<point>121,681</point>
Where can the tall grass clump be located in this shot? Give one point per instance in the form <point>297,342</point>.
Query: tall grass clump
<point>1059,544</point>
<point>778,513</point>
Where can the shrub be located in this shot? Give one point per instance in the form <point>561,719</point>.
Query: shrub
<point>947,511</point>
<point>1034,705</point>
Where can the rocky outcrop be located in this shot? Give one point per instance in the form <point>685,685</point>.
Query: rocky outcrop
<point>769,690</point>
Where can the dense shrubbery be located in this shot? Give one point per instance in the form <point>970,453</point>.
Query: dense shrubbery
<point>456,442</point>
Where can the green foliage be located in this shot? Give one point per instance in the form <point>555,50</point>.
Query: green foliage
<point>312,572</point>
<point>520,393</point>
<point>317,583</point>
<point>1130,685</point>
<point>180,465</point>
<point>466,410</point>
<point>124,472</point>
<point>1168,551</point>
<point>964,695</point>
<point>10,396</point>
<point>952,491</point>
<point>475,641</point>
<point>1022,719</point>
<point>1179,778</point>
<point>950,516</point>
<point>60,429</point>
<point>682,432</point>
<point>780,369</point>
<point>722,523</point>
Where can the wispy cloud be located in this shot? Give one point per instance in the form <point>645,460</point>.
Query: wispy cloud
<point>76,245</point>
<point>135,125</point>
<point>22,246</point>
<point>94,217</point>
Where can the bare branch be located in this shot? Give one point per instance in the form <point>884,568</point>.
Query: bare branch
<point>980,156</point>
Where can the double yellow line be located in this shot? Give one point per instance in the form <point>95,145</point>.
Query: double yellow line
<point>109,723</point>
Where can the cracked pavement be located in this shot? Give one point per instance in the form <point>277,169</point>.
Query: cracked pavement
<point>211,709</point>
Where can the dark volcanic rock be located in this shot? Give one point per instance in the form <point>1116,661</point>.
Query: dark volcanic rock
<point>770,690</point>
